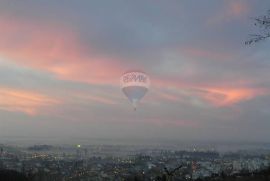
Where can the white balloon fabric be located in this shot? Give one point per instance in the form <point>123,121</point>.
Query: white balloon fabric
<point>134,85</point>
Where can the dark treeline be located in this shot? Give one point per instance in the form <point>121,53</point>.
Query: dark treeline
<point>10,175</point>
<point>259,176</point>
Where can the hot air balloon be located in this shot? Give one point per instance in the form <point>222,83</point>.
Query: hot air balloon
<point>134,85</point>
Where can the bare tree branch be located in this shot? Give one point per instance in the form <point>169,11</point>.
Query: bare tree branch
<point>262,22</point>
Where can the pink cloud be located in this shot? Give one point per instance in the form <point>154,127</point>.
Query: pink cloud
<point>238,8</point>
<point>233,9</point>
<point>168,96</point>
<point>56,49</point>
<point>216,95</point>
<point>230,96</point>
<point>98,99</point>
<point>28,102</point>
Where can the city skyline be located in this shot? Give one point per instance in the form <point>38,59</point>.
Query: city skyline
<point>61,63</point>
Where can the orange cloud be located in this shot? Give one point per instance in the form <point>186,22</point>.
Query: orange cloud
<point>238,8</point>
<point>56,49</point>
<point>217,95</point>
<point>230,96</point>
<point>24,101</point>
<point>233,9</point>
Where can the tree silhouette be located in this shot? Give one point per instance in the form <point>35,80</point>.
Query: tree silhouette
<point>11,175</point>
<point>169,174</point>
<point>262,22</point>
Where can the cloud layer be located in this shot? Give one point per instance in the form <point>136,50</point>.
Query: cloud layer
<point>61,64</point>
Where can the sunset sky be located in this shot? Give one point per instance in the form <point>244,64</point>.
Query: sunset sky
<point>61,61</point>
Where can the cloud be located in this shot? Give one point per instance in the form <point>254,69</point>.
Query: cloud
<point>231,96</point>
<point>24,101</point>
<point>204,94</point>
<point>200,71</point>
<point>232,10</point>
<point>201,53</point>
<point>168,122</point>
<point>97,99</point>
<point>56,49</point>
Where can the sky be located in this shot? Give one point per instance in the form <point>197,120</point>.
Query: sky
<point>61,63</point>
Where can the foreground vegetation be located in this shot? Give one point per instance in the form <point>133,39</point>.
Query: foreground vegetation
<point>10,175</point>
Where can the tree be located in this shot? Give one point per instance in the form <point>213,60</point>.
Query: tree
<point>11,175</point>
<point>170,174</point>
<point>262,22</point>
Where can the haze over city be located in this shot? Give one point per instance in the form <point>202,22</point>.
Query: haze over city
<point>61,63</point>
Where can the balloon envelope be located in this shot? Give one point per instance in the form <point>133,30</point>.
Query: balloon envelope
<point>134,85</point>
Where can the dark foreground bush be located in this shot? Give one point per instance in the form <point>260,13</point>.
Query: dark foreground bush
<point>263,175</point>
<point>10,175</point>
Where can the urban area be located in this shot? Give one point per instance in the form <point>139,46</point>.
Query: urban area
<point>118,162</point>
